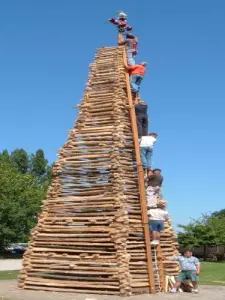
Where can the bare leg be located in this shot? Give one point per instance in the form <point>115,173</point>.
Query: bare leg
<point>135,99</point>
<point>120,39</point>
<point>177,285</point>
<point>154,235</point>
<point>157,236</point>
<point>195,285</point>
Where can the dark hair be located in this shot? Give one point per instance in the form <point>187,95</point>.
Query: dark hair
<point>153,133</point>
<point>187,250</point>
<point>157,170</point>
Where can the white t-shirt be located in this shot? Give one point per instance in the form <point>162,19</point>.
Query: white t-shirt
<point>158,214</point>
<point>147,141</point>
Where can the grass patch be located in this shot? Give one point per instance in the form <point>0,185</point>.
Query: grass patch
<point>212,273</point>
<point>7,275</point>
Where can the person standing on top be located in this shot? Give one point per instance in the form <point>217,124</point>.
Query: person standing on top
<point>142,118</point>
<point>137,73</point>
<point>121,23</point>
<point>157,217</point>
<point>146,146</point>
<point>154,182</point>
<point>131,45</point>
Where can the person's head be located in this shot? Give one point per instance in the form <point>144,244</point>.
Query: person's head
<point>155,135</point>
<point>130,36</point>
<point>187,253</point>
<point>161,205</point>
<point>157,171</point>
<point>122,16</point>
<point>144,64</point>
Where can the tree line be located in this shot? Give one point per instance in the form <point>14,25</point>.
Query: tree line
<point>24,179</point>
<point>208,230</point>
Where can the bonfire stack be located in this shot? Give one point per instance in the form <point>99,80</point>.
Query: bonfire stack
<point>89,237</point>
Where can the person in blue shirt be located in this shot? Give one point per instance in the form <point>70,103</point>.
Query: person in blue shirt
<point>190,270</point>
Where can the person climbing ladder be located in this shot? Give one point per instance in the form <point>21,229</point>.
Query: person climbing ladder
<point>141,111</point>
<point>131,46</point>
<point>157,217</point>
<point>136,73</point>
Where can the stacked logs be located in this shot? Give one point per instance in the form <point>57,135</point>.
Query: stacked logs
<point>89,237</point>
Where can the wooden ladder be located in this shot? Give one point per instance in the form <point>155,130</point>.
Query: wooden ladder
<point>155,268</point>
<point>158,268</point>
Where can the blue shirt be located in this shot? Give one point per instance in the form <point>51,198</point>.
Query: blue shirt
<point>187,263</point>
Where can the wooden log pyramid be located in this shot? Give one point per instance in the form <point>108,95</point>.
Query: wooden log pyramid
<point>89,237</point>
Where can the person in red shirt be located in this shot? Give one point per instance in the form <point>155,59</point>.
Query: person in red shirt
<point>137,73</point>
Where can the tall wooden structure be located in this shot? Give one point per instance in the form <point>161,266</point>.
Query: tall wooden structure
<point>92,235</point>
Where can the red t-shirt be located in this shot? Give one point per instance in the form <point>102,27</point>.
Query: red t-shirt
<point>137,70</point>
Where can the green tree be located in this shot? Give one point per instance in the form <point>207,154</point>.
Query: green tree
<point>39,163</point>
<point>20,160</point>
<point>4,156</point>
<point>20,200</point>
<point>220,213</point>
<point>209,230</point>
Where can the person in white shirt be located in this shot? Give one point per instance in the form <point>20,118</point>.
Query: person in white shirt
<point>157,217</point>
<point>146,147</point>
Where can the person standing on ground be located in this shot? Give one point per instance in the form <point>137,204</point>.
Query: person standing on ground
<point>141,110</point>
<point>157,217</point>
<point>146,146</point>
<point>190,270</point>
<point>154,182</point>
<point>131,46</point>
<point>137,73</point>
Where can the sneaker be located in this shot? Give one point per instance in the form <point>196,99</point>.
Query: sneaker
<point>173,291</point>
<point>154,242</point>
<point>194,291</point>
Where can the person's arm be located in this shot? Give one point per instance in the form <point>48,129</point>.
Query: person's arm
<point>198,266</point>
<point>154,141</point>
<point>131,68</point>
<point>172,260</point>
<point>151,177</point>
<point>166,216</point>
<point>113,20</point>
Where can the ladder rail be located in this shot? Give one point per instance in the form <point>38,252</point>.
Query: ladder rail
<point>141,182</point>
<point>161,268</point>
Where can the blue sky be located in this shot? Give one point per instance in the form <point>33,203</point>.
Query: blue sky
<point>46,47</point>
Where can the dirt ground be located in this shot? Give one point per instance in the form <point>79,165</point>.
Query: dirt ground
<point>9,291</point>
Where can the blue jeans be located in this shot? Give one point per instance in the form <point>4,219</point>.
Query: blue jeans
<point>130,58</point>
<point>146,157</point>
<point>135,82</point>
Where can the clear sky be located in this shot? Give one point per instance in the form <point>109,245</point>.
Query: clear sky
<point>47,45</point>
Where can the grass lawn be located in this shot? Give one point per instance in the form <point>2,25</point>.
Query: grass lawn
<point>7,275</point>
<point>212,273</point>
